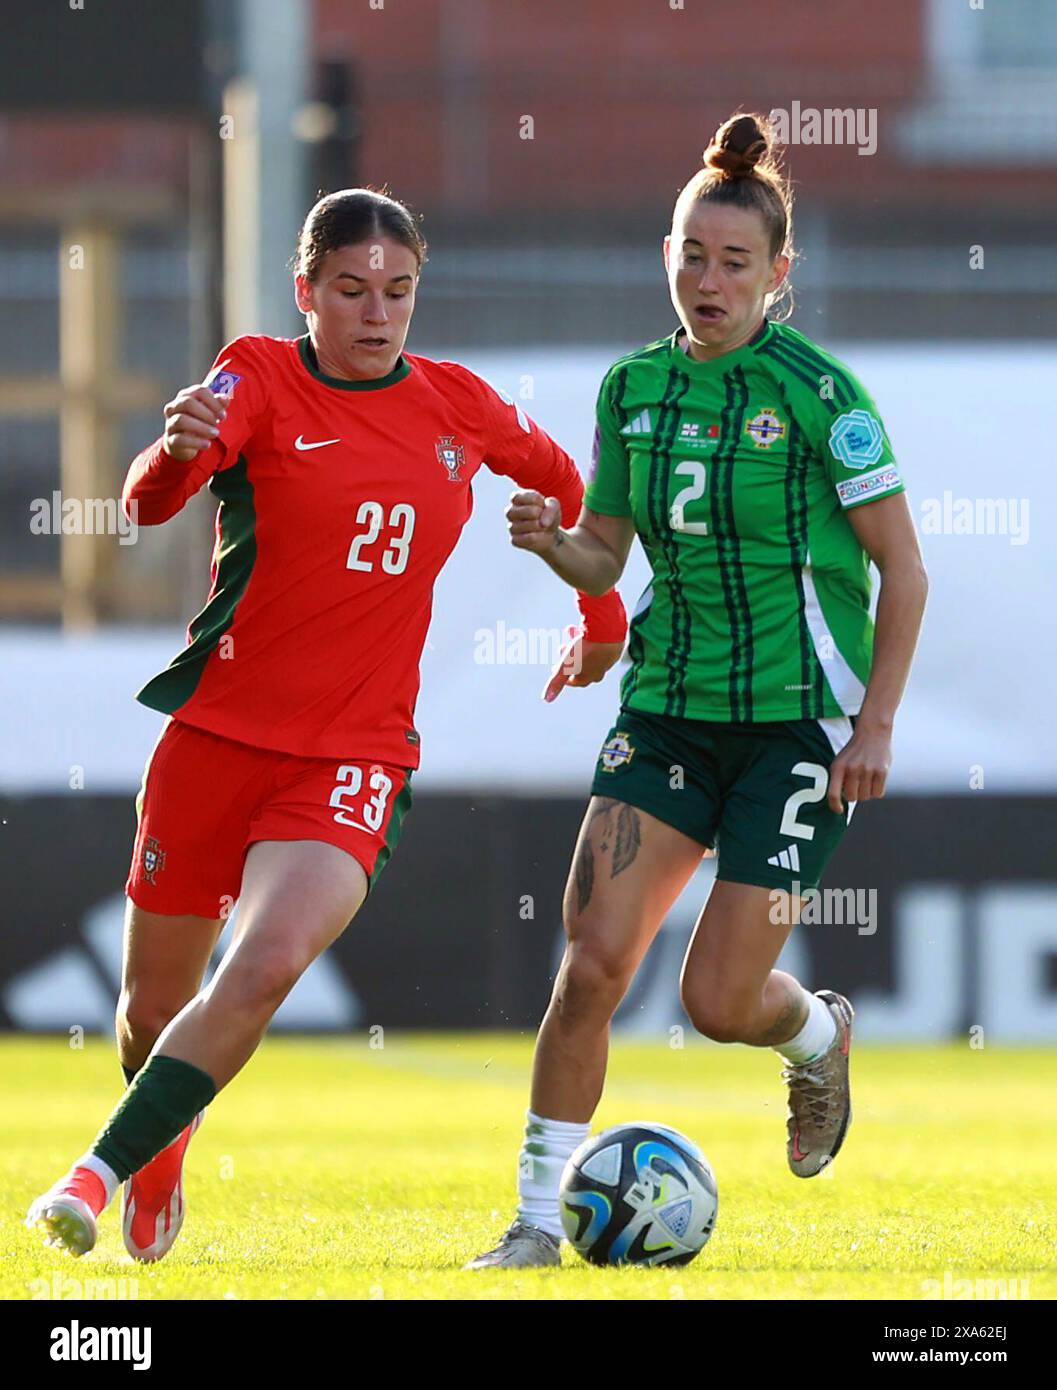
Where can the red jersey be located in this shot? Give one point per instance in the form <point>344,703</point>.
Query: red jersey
<point>340,501</point>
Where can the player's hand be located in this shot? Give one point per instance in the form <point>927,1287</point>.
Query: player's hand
<point>192,421</point>
<point>534,521</point>
<point>581,663</point>
<point>860,769</point>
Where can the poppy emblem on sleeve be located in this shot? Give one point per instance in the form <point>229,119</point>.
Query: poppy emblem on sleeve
<point>451,455</point>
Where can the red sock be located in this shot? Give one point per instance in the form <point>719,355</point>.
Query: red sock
<point>89,1186</point>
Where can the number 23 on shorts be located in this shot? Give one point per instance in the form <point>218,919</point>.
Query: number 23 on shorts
<point>362,809</point>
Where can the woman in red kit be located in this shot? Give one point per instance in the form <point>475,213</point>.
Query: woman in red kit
<point>282,776</point>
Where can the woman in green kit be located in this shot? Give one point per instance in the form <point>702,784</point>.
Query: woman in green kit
<point>758,706</point>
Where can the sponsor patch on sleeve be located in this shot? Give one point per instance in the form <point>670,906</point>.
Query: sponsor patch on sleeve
<point>881,480</point>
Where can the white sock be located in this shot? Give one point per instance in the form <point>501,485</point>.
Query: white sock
<point>816,1036</point>
<point>111,1181</point>
<point>547,1147</point>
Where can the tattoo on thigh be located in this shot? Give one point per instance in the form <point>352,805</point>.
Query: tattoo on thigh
<point>628,839</point>
<point>584,869</point>
<point>621,832</point>
<point>584,873</point>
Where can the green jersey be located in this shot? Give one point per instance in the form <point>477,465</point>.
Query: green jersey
<point>738,473</point>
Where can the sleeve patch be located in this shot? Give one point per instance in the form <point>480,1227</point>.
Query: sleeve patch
<point>222,383</point>
<point>868,485</point>
<point>596,453</point>
<point>856,439</point>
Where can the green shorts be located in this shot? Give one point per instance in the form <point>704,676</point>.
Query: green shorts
<point>756,793</point>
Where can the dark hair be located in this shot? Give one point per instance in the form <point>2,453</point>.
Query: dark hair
<point>742,169</point>
<point>349,217</point>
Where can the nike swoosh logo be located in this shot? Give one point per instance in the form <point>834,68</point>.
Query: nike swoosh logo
<point>299,443</point>
<point>797,1155</point>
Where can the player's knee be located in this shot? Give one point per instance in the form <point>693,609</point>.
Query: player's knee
<point>260,983</point>
<point>143,1015</point>
<point>721,1020</point>
<point>591,983</point>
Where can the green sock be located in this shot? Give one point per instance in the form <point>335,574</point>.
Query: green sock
<point>166,1095</point>
<point>130,1074</point>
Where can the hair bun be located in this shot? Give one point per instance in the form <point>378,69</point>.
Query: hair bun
<point>739,145</point>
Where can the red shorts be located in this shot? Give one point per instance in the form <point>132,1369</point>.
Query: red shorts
<point>206,799</point>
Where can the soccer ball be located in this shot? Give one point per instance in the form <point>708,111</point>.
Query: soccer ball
<point>639,1194</point>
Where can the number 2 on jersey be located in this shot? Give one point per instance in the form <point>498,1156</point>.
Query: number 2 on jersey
<point>395,555</point>
<point>695,470</point>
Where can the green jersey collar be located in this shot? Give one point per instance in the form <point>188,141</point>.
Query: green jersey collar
<point>311,361</point>
<point>718,365</point>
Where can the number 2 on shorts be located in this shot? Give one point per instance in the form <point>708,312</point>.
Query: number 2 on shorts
<point>806,796</point>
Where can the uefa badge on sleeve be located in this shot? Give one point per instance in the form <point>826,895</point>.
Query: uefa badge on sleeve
<point>451,455</point>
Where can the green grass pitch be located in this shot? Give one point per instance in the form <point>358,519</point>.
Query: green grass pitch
<point>331,1169</point>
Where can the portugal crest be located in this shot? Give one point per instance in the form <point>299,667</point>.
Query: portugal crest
<point>451,455</point>
<point>153,860</point>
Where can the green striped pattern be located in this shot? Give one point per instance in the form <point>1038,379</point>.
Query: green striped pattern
<point>759,603</point>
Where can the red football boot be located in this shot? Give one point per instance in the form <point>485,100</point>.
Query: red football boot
<point>153,1204</point>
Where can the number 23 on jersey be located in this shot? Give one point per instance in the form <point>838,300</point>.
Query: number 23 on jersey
<point>391,551</point>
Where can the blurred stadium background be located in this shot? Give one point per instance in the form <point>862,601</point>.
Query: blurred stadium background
<point>155,163</point>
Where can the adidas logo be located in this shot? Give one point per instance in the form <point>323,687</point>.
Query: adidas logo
<point>787,859</point>
<point>78,983</point>
<point>640,425</point>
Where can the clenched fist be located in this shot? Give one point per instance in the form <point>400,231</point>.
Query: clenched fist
<point>192,421</point>
<point>535,522</point>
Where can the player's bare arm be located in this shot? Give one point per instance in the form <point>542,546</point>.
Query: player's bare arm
<point>590,555</point>
<point>886,532</point>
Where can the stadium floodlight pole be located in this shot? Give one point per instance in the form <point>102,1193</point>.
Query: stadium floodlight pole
<point>264,166</point>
